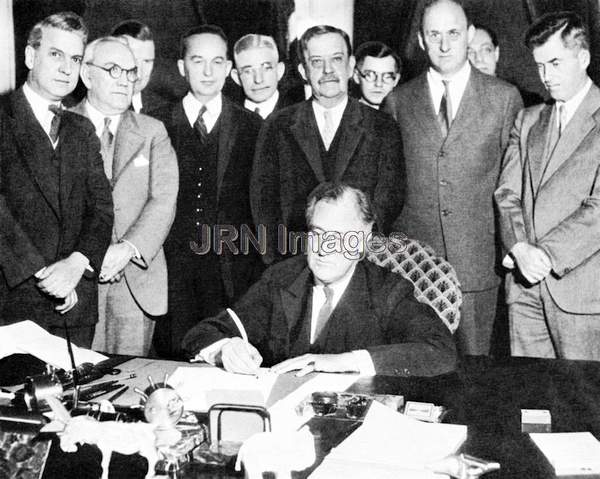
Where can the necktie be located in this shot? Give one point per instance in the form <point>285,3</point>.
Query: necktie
<point>328,130</point>
<point>106,140</point>
<point>200,125</point>
<point>445,112</point>
<point>562,119</point>
<point>324,312</point>
<point>55,123</point>
<point>257,111</point>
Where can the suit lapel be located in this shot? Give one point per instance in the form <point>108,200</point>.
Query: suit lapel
<point>468,109</point>
<point>128,142</point>
<point>424,111</point>
<point>306,132</point>
<point>228,130</point>
<point>35,146</point>
<point>351,133</point>
<point>294,297</point>
<point>580,125</point>
<point>536,146</point>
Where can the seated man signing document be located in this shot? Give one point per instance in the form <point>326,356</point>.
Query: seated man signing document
<point>328,310</point>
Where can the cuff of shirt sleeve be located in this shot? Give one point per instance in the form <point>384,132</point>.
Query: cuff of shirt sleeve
<point>508,262</point>
<point>209,353</point>
<point>364,362</point>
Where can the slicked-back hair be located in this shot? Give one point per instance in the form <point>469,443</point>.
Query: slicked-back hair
<point>134,29</point>
<point>573,32</point>
<point>317,31</point>
<point>491,33</point>
<point>90,48</point>
<point>66,21</point>
<point>199,30</point>
<point>430,3</point>
<point>254,40</point>
<point>376,50</point>
<point>333,191</point>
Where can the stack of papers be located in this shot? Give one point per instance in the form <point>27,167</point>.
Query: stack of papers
<point>26,337</point>
<point>570,453</point>
<point>392,444</point>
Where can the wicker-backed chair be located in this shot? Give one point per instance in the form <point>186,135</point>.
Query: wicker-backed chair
<point>434,279</point>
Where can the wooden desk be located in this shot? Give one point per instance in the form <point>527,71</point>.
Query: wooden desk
<point>485,395</point>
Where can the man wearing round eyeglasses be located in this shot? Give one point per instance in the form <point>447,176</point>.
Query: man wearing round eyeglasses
<point>377,72</point>
<point>455,123</point>
<point>142,168</point>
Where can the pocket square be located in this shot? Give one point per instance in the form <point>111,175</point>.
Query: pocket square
<point>140,161</point>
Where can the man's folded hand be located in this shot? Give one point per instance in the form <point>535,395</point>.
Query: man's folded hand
<point>238,356</point>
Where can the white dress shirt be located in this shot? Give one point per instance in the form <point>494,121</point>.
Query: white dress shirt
<point>97,119</point>
<point>265,108</point>
<point>336,115</point>
<point>40,105</point>
<point>136,102</point>
<point>570,106</point>
<point>191,107</point>
<point>457,85</point>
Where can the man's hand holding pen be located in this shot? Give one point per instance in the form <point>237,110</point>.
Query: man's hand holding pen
<point>239,356</point>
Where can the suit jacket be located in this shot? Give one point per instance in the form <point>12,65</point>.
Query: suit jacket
<point>557,206</point>
<point>451,181</point>
<point>283,101</point>
<point>237,136</point>
<point>151,102</point>
<point>51,211</point>
<point>144,185</point>
<point>377,312</point>
<point>288,166</point>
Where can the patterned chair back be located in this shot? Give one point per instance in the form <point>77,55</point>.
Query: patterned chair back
<point>434,279</point>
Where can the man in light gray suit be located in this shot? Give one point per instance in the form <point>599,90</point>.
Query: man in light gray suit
<point>142,168</point>
<point>549,202</point>
<point>455,123</point>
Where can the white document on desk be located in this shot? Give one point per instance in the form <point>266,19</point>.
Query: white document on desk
<point>26,337</point>
<point>570,453</point>
<point>201,387</point>
<point>392,444</point>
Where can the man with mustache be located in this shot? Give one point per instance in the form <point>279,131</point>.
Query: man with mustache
<point>330,137</point>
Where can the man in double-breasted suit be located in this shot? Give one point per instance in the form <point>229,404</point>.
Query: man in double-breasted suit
<point>454,122</point>
<point>549,202</point>
<point>214,140</point>
<point>142,168</point>
<point>329,138</point>
<point>54,197</point>
<point>328,310</point>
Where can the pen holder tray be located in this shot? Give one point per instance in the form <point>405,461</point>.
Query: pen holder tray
<point>344,406</point>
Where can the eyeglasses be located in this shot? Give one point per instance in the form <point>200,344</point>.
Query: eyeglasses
<point>116,71</point>
<point>371,76</point>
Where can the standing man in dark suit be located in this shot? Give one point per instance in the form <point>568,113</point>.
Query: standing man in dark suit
<point>328,310</point>
<point>455,122</point>
<point>549,202</point>
<point>53,189</point>
<point>214,140</point>
<point>331,137</point>
<point>141,41</point>
<point>258,70</point>
<point>142,168</point>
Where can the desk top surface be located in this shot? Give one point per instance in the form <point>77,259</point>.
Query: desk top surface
<point>485,395</point>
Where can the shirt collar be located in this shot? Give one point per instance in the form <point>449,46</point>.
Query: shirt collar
<point>336,112</point>
<point>136,102</point>
<point>192,106</point>
<point>340,285</point>
<point>40,105</point>
<point>461,77</point>
<point>97,119</point>
<point>573,103</point>
<point>266,107</point>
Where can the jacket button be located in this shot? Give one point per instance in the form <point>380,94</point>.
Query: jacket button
<point>443,182</point>
<point>445,212</point>
<point>441,154</point>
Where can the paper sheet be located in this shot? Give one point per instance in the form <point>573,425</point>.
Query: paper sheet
<point>393,443</point>
<point>26,337</point>
<point>200,388</point>
<point>570,453</point>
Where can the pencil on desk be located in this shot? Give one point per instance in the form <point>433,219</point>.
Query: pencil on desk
<point>238,323</point>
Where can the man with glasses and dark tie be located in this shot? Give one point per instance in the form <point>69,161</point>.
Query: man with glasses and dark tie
<point>54,197</point>
<point>142,168</point>
<point>455,121</point>
<point>214,139</point>
<point>377,72</point>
